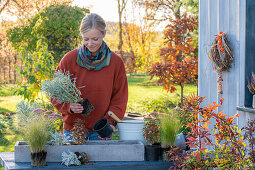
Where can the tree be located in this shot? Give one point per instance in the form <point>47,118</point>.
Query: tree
<point>26,9</point>
<point>121,8</point>
<point>179,65</point>
<point>57,26</point>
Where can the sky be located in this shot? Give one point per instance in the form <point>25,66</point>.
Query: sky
<point>107,9</point>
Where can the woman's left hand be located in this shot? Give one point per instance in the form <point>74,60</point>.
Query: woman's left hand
<point>110,138</point>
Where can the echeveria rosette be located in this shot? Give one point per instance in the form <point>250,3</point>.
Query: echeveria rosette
<point>251,84</point>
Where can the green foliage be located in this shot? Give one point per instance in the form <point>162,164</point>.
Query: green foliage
<point>62,89</point>
<point>36,134</point>
<point>37,66</point>
<point>169,129</point>
<point>160,104</point>
<point>24,111</point>
<point>8,89</point>
<point>58,139</point>
<point>57,26</point>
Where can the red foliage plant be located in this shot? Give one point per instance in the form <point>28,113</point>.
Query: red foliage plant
<point>179,65</point>
<point>79,132</point>
<point>229,145</point>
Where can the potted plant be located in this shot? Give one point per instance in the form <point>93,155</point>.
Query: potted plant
<point>151,132</point>
<point>251,87</point>
<point>169,129</point>
<point>36,135</point>
<point>62,89</point>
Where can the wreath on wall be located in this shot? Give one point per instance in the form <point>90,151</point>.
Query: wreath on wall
<point>222,58</point>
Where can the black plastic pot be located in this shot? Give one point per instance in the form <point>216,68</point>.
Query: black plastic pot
<point>103,128</point>
<point>152,152</point>
<point>87,107</point>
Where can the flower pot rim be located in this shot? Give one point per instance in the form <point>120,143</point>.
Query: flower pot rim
<point>137,121</point>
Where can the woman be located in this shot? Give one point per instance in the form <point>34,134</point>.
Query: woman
<point>101,71</point>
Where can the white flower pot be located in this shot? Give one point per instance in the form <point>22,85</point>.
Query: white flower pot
<point>131,130</point>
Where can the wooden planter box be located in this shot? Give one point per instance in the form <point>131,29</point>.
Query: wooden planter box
<point>111,150</point>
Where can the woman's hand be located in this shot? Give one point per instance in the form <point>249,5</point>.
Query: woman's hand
<point>110,138</point>
<point>76,107</point>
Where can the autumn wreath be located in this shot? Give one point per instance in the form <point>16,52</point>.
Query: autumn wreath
<point>220,53</point>
<point>222,57</point>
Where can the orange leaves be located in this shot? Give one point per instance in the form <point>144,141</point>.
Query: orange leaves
<point>180,67</point>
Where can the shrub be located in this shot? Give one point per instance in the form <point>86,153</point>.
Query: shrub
<point>161,104</point>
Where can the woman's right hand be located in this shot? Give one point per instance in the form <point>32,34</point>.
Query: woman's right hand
<point>76,107</point>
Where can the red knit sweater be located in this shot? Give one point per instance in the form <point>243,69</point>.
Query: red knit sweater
<point>106,89</point>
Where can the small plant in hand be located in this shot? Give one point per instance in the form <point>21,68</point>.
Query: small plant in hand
<point>79,132</point>
<point>63,89</point>
<point>251,84</point>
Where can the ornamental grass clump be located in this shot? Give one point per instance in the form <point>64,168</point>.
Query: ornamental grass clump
<point>36,134</point>
<point>62,89</point>
<point>169,129</point>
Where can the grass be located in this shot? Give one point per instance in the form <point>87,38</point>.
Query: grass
<point>141,89</point>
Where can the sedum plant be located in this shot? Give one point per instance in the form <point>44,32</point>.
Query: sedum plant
<point>70,159</point>
<point>62,89</point>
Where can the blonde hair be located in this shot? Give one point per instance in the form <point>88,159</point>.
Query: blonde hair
<point>91,21</point>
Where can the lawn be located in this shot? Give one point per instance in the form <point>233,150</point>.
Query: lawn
<point>141,90</point>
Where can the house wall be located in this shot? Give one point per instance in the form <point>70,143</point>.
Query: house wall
<point>228,16</point>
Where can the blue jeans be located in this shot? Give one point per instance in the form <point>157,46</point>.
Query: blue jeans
<point>90,135</point>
